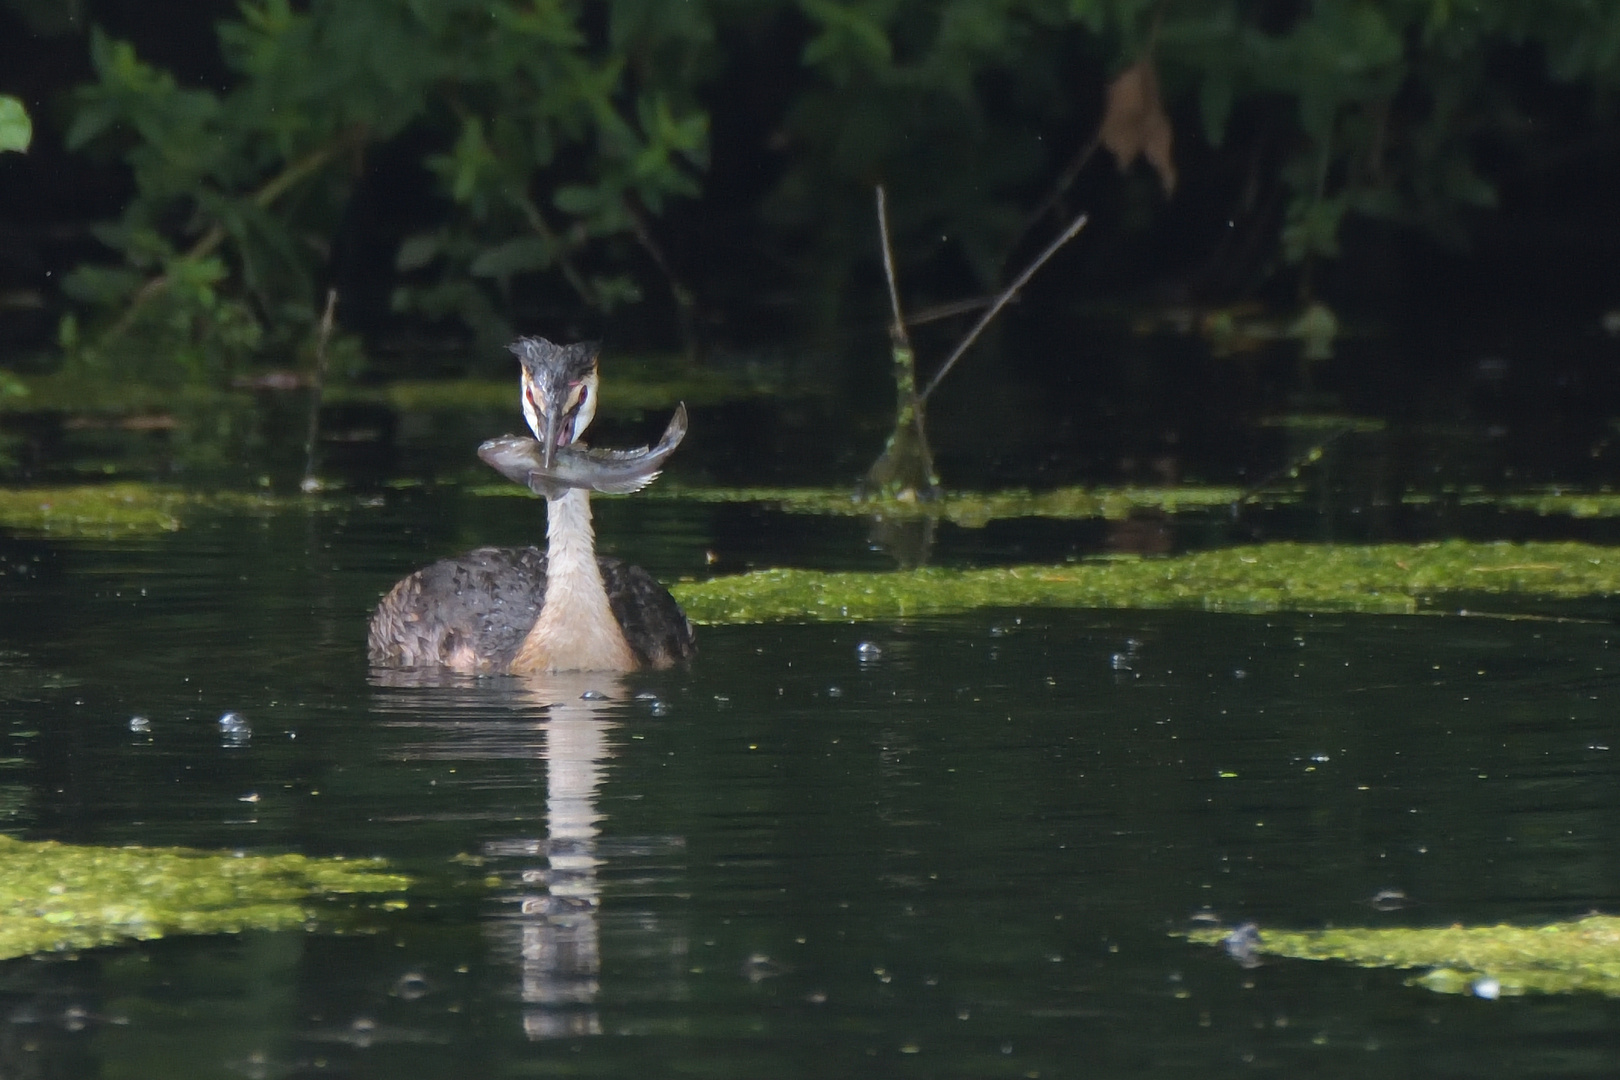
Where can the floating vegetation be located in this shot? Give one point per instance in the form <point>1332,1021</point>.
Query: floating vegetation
<point>56,897</point>
<point>111,510</point>
<point>1333,423</point>
<point>91,509</point>
<point>1558,958</point>
<point>969,509</point>
<point>80,395</point>
<point>1605,504</point>
<point>973,509</point>
<point>1382,579</point>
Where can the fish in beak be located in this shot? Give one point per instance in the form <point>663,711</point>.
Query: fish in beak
<point>614,472</point>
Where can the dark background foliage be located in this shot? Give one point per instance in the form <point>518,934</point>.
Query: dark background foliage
<point>698,176</point>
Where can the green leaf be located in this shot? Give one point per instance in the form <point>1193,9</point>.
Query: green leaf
<point>578,199</point>
<point>517,256</point>
<point>16,130</point>
<point>849,38</point>
<point>417,251</point>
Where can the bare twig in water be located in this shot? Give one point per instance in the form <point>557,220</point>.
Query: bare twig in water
<point>905,469</point>
<point>897,328</point>
<point>1060,188</point>
<point>1305,458</point>
<point>313,428</point>
<point>946,311</point>
<point>1000,302</point>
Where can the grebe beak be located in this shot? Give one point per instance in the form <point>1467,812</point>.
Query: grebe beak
<point>559,392</point>
<point>553,429</point>
<point>547,408</point>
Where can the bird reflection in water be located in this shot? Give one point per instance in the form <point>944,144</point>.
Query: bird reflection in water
<point>550,917</point>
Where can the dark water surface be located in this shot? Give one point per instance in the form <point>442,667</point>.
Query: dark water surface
<point>955,847</point>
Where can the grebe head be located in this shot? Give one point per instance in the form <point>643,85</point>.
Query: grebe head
<point>559,390</point>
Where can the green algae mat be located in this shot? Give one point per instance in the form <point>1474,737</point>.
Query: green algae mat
<point>56,897</point>
<point>113,510</point>
<point>1379,579</point>
<point>1556,958</point>
<point>976,509</point>
<point>971,509</point>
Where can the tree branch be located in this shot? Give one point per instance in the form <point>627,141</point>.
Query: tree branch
<point>1000,302</point>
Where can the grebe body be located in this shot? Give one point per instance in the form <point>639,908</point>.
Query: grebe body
<point>523,611</point>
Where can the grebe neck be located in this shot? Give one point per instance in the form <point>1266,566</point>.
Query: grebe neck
<point>576,630</point>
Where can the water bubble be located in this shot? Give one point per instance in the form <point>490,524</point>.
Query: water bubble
<point>646,695</point>
<point>1243,944</point>
<point>868,653</point>
<point>362,1032</point>
<point>835,691</point>
<point>1388,900</point>
<point>759,967</point>
<point>1488,988</point>
<point>593,695</point>
<point>1120,661</point>
<point>411,986</point>
<point>140,725</point>
<point>1320,758</point>
<point>234,729</point>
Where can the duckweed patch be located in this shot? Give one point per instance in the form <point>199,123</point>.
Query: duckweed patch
<point>111,510</point>
<point>1332,423</point>
<point>1558,504</point>
<point>1557,958</point>
<point>975,509</point>
<point>80,395</point>
<point>56,897</point>
<point>1380,579</point>
<point>969,509</point>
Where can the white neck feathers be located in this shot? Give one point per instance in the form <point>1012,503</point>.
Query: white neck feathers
<point>576,630</point>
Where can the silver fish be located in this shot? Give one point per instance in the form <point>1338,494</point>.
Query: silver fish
<point>613,472</point>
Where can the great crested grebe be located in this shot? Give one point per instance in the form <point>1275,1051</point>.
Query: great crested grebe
<point>523,611</point>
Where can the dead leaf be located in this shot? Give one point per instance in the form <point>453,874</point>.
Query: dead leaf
<point>1135,124</point>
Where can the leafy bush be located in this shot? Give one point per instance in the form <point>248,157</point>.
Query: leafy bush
<point>549,145</point>
<point>557,131</point>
